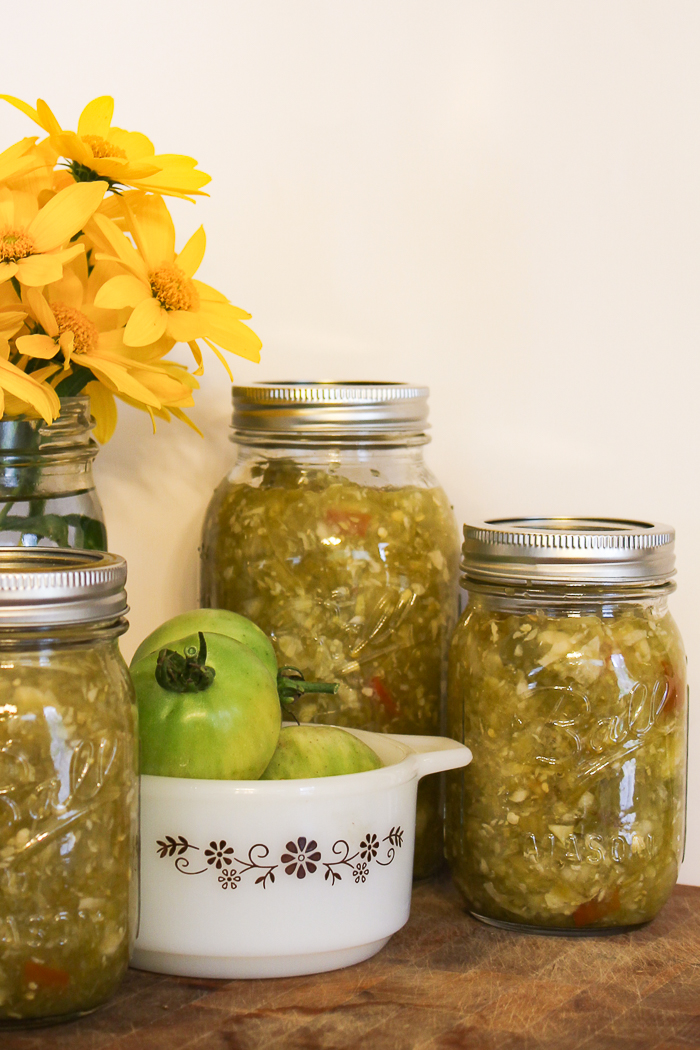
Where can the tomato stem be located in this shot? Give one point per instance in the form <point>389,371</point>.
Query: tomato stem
<point>185,674</point>
<point>291,685</point>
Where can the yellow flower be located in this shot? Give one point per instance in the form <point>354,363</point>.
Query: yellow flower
<point>160,288</point>
<point>31,237</point>
<point>122,158</point>
<point>70,338</point>
<point>69,332</point>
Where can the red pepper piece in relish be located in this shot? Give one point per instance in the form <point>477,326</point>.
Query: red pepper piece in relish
<point>674,695</point>
<point>384,696</point>
<point>45,976</point>
<point>593,911</point>
<point>351,522</point>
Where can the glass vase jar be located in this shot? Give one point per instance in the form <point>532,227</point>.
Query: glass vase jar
<point>567,681</point>
<point>68,785</point>
<point>333,536</point>
<point>47,491</point>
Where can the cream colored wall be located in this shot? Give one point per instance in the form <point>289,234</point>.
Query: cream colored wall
<point>499,199</point>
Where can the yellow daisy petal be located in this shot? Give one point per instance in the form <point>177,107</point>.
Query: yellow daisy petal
<point>179,414</point>
<point>42,398</point>
<point>24,107</point>
<point>42,311</point>
<point>146,324</point>
<point>66,341</point>
<point>104,410</point>
<point>70,289</point>
<point>197,355</point>
<point>67,255</point>
<point>7,270</point>
<point>19,159</point>
<point>223,326</point>
<point>7,210</point>
<point>190,258</point>
<point>117,242</point>
<point>38,270</point>
<point>153,230</point>
<point>121,170</point>
<point>134,144</point>
<point>68,144</point>
<point>45,373</point>
<point>119,379</point>
<point>221,357</point>
<point>207,293</point>
<point>122,291</point>
<point>10,322</point>
<point>37,346</point>
<point>182,326</point>
<point>97,117</point>
<point>46,118</point>
<point>65,214</point>
<point>41,116</point>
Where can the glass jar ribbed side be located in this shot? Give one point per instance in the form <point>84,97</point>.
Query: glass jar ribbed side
<point>567,681</point>
<point>334,537</point>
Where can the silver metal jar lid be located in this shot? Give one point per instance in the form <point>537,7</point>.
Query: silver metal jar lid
<point>568,550</point>
<point>52,586</point>
<point>329,411</point>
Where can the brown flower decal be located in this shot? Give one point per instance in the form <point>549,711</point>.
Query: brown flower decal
<point>360,872</point>
<point>230,879</point>
<point>301,857</point>
<point>369,847</point>
<point>219,855</point>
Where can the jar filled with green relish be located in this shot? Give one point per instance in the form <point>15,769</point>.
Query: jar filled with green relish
<point>68,785</point>
<point>568,681</point>
<point>333,536</point>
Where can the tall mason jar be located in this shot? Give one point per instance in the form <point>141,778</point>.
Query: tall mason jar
<point>567,681</point>
<point>68,785</point>
<point>47,490</point>
<point>332,534</point>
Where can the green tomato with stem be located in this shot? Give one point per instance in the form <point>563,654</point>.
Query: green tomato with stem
<point>209,709</point>
<point>211,621</point>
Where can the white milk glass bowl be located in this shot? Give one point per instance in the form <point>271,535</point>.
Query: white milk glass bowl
<point>249,878</point>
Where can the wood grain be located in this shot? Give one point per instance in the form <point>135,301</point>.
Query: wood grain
<point>444,982</point>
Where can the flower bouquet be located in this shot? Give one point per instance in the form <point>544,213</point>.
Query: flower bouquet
<point>93,293</point>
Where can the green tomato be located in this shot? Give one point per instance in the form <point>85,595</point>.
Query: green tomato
<point>318,751</point>
<point>211,621</point>
<point>225,730</point>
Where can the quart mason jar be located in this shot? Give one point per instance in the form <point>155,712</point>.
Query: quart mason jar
<point>333,536</point>
<point>567,681</point>
<point>47,491</point>
<point>68,785</point>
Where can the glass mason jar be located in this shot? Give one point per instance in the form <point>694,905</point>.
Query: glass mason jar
<point>334,537</point>
<point>47,492</point>
<point>68,785</point>
<point>567,680</point>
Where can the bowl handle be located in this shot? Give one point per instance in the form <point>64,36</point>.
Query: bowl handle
<point>434,754</point>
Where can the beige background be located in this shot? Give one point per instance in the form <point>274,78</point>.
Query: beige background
<point>497,198</point>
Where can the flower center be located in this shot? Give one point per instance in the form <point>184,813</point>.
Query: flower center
<point>68,319</point>
<point>173,289</point>
<point>14,245</point>
<point>101,148</point>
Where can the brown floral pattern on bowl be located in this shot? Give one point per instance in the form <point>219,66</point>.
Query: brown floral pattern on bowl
<point>300,858</point>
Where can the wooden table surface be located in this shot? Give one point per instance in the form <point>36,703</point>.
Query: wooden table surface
<point>444,982</point>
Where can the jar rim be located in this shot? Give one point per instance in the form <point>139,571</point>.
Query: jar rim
<point>574,551</point>
<point>328,412</point>
<point>57,586</point>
